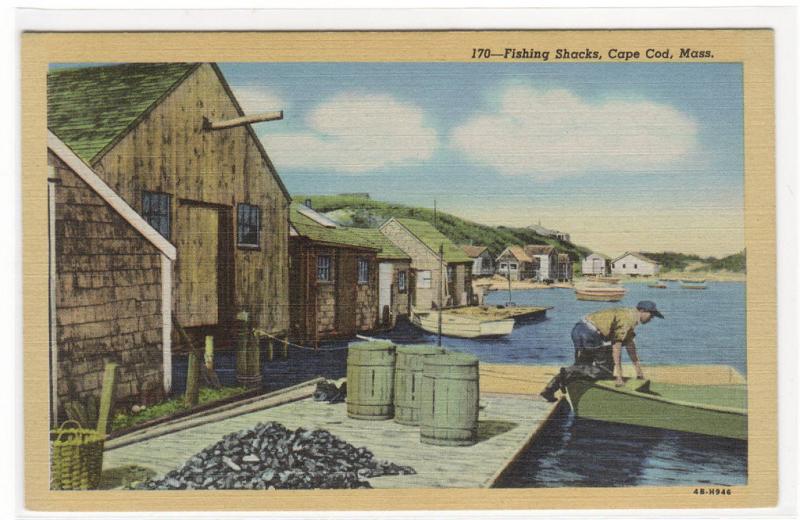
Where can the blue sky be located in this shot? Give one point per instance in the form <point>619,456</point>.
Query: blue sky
<point>680,188</point>
<point>624,156</point>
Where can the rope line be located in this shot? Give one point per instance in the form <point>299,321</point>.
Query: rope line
<point>259,332</point>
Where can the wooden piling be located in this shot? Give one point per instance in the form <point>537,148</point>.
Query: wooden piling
<point>209,352</point>
<point>107,398</point>
<point>192,394</point>
<point>270,349</point>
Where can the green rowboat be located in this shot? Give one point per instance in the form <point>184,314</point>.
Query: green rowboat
<point>718,410</point>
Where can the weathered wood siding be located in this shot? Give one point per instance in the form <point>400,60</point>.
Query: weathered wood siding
<point>422,259</point>
<point>108,297</point>
<point>340,307</point>
<point>169,151</point>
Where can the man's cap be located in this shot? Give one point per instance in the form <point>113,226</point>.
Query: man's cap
<point>648,306</point>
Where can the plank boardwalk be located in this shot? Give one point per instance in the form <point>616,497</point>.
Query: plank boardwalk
<point>505,423</point>
<point>509,420</point>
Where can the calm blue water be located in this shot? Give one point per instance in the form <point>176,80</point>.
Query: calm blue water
<point>700,327</point>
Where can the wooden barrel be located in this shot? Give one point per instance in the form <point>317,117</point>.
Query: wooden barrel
<point>449,400</point>
<point>370,380</point>
<point>408,379</point>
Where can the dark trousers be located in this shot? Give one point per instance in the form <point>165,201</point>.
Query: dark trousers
<point>593,360</point>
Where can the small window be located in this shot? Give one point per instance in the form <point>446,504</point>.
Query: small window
<point>248,222</point>
<point>155,210</point>
<point>424,280</point>
<point>623,266</point>
<point>451,272</point>
<point>401,281</point>
<point>636,266</point>
<point>324,268</point>
<point>513,266</point>
<point>363,270</point>
<point>503,266</point>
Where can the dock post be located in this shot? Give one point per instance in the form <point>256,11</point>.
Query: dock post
<point>270,351</point>
<point>209,352</point>
<point>285,347</point>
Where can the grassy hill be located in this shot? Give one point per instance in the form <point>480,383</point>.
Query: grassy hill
<point>671,261</point>
<point>360,211</point>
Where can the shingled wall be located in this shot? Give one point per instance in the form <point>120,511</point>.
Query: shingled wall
<point>108,297</point>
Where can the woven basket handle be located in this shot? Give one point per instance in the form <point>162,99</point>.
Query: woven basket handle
<point>62,430</point>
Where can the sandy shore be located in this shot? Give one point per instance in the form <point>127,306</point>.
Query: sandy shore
<point>498,283</point>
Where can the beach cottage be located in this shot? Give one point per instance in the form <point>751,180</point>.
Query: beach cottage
<point>634,264</point>
<point>545,262</point>
<point>110,290</point>
<point>595,264</point>
<point>564,267</point>
<point>395,292</point>
<point>172,141</point>
<point>515,263</point>
<point>333,279</point>
<point>421,241</point>
<point>482,261</point>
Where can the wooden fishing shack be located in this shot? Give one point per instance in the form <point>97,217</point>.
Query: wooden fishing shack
<point>422,241</point>
<point>173,142</point>
<point>333,279</point>
<point>110,290</point>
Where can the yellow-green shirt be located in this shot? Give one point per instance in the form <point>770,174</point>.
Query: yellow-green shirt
<point>616,324</point>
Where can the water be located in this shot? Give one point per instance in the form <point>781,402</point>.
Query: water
<point>572,452</point>
<point>700,327</point>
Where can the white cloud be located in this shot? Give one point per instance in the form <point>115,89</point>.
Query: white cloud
<point>258,99</point>
<point>553,133</point>
<point>355,133</point>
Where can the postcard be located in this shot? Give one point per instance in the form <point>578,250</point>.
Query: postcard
<point>399,270</point>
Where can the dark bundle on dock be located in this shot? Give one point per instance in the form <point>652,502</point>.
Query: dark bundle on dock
<point>270,456</point>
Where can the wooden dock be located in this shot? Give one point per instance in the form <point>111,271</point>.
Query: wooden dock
<point>510,419</point>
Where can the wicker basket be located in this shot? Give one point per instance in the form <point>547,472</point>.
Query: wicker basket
<point>76,457</point>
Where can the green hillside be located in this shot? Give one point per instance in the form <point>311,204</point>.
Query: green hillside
<point>671,261</point>
<point>361,211</point>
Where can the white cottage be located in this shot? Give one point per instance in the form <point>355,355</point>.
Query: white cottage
<point>595,264</point>
<point>634,264</point>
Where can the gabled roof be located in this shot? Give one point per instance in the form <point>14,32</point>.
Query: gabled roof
<point>432,238</point>
<point>92,108</point>
<point>85,172</point>
<point>474,251</point>
<point>311,229</point>
<point>636,254</point>
<point>373,236</point>
<point>517,252</point>
<point>89,107</point>
<point>601,255</point>
<point>539,250</point>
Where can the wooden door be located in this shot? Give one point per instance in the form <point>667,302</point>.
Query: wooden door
<point>197,241</point>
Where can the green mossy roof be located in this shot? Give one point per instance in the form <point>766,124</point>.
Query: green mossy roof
<point>432,238</point>
<point>88,108</point>
<point>389,251</point>
<point>312,230</point>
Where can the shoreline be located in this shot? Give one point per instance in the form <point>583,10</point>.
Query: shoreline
<point>501,284</point>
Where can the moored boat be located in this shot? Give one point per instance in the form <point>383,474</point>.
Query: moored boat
<point>600,294</point>
<point>718,410</point>
<point>693,284</point>
<point>658,285</point>
<point>608,279</point>
<point>461,326</point>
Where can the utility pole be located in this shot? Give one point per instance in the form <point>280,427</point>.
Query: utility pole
<point>441,292</point>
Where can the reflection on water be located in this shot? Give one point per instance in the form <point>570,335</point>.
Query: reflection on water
<point>701,327</point>
<point>581,452</point>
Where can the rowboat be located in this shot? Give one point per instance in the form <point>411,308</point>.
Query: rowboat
<point>600,294</point>
<point>658,285</point>
<point>461,326</point>
<point>608,279</point>
<point>693,284</point>
<point>718,410</point>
